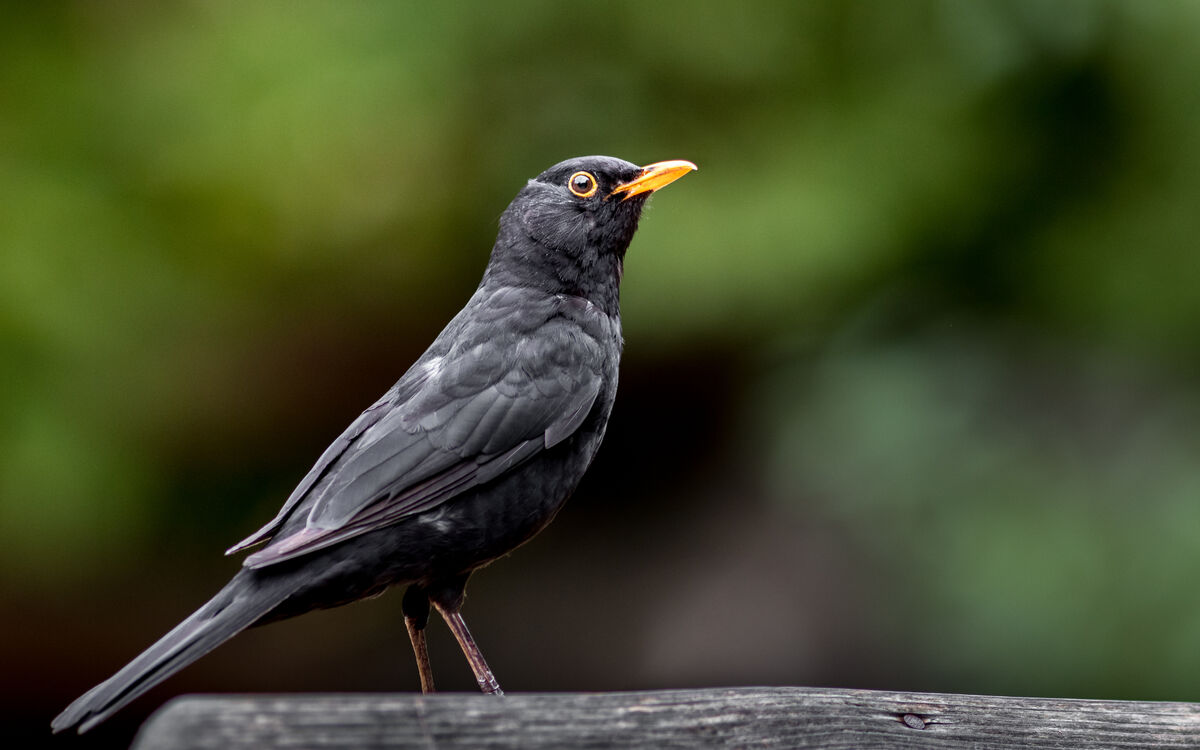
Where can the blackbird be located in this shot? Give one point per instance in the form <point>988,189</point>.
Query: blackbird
<point>467,456</point>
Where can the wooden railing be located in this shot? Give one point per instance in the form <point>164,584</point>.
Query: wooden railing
<point>724,717</point>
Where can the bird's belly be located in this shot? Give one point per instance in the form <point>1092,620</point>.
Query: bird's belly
<point>490,521</point>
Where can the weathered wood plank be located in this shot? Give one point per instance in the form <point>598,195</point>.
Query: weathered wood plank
<point>727,717</point>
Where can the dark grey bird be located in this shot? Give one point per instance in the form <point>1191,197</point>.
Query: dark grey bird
<point>468,456</point>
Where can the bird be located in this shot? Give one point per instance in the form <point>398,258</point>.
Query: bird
<point>471,453</point>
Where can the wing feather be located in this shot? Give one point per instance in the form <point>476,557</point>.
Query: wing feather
<point>476,414</point>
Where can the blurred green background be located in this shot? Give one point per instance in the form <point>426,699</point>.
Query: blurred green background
<point>910,393</point>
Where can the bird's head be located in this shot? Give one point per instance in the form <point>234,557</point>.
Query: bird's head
<point>569,227</point>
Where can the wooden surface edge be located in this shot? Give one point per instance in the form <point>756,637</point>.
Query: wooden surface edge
<point>790,717</point>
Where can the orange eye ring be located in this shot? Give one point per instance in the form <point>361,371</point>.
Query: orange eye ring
<point>582,184</point>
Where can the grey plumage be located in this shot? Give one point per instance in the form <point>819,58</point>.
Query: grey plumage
<point>467,456</point>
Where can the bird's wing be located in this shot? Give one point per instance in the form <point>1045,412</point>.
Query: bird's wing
<point>477,413</point>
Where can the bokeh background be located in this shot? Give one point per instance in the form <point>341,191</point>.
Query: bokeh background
<point>910,393</point>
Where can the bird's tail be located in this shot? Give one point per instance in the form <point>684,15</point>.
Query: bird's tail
<point>236,607</point>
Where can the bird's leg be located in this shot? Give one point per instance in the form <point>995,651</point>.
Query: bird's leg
<point>447,597</point>
<point>483,673</point>
<point>416,617</point>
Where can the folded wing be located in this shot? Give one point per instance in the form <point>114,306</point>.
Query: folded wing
<point>453,422</point>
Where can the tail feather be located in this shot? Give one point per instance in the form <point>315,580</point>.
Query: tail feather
<point>235,608</point>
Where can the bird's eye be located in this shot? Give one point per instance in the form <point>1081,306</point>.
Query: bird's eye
<point>582,184</point>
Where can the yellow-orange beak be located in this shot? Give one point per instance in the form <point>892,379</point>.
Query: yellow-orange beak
<point>654,176</point>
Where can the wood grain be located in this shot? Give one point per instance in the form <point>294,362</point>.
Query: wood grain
<point>725,717</point>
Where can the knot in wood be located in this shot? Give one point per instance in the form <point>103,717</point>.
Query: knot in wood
<point>912,721</point>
